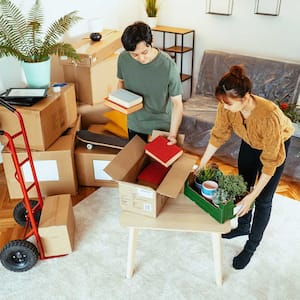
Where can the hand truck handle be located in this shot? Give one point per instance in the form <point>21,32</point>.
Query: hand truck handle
<point>7,105</point>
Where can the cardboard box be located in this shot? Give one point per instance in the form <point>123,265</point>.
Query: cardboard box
<point>144,200</point>
<point>94,83</point>
<point>57,225</point>
<point>55,168</point>
<point>95,76</point>
<point>44,122</point>
<point>92,114</point>
<point>91,53</point>
<point>90,165</point>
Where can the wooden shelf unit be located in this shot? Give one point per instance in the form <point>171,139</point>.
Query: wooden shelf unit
<point>178,48</point>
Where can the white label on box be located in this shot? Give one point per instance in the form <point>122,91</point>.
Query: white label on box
<point>145,193</point>
<point>99,166</point>
<point>46,170</point>
<point>147,207</point>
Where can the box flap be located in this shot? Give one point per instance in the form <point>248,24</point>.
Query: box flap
<point>174,180</point>
<point>121,165</point>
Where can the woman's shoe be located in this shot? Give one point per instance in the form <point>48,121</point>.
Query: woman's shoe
<point>234,233</point>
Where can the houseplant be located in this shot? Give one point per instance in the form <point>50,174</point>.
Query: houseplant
<point>151,10</point>
<point>233,186</point>
<point>292,111</point>
<point>210,173</point>
<point>25,39</point>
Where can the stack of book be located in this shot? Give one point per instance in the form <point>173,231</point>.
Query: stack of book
<point>124,101</point>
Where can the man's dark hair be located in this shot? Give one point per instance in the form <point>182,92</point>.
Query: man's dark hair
<point>136,33</point>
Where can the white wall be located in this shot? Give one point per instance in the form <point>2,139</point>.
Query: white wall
<point>242,32</point>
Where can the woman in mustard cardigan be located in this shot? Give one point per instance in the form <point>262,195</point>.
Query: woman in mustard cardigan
<point>265,133</point>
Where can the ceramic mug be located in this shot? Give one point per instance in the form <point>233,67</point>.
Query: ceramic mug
<point>209,188</point>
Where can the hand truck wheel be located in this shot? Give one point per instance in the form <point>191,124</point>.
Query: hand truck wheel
<point>20,213</point>
<point>19,255</point>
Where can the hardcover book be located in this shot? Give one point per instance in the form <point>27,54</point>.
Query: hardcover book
<point>153,174</point>
<point>165,154</point>
<point>123,109</point>
<point>125,98</point>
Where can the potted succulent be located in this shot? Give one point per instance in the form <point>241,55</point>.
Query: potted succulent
<point>24,38</point>
<point>151,10</point>
<point>234,187</point>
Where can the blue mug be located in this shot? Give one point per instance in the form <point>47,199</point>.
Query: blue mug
<point>209,188</point>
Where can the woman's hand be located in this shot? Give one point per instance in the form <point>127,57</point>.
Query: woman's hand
<point>245,203</point>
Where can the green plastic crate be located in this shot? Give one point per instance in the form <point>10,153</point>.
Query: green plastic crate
<point>221,214</point>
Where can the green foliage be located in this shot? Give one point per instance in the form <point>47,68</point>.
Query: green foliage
<point>151,8</point>
<point>24,38</point>
<point>210,173</point>
<point>220,196</point>
<point>233,185</point>
<point>290,110</point>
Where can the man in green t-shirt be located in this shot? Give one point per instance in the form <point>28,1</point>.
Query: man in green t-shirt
<point>147,71</point>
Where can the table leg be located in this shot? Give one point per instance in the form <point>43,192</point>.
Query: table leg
<point>217,255</point>
<point>133,233</point>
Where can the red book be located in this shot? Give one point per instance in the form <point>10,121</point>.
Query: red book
<point>159,150</point>
<point>153,174</point>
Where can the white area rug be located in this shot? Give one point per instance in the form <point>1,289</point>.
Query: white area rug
<point>169,265</point>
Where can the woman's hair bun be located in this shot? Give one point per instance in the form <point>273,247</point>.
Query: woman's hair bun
<point>237,71</point>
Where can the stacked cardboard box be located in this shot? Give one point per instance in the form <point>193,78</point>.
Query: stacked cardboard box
<point>45,121</point>
<point>51,143</point>
<point>95,75</point>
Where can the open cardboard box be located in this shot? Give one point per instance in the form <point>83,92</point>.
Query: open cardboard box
<point>144,200</point>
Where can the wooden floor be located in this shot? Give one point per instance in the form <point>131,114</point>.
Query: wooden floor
<point>9,230</point>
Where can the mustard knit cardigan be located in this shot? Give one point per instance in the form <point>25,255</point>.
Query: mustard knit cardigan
<point>266,129</point>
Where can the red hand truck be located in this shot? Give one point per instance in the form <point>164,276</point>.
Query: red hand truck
<point>22,255</point>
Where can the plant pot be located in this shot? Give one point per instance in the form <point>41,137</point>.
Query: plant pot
<point>297,130</point>
<point>152,21</point>
<point>37,74</point>
<point>197,185</point>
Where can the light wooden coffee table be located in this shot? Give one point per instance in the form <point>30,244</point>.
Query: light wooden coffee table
<point>180,214</point>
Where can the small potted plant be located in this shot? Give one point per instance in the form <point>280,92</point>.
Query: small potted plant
<point>234,186</point>
<point>212,173</point>
<point>151,10</point>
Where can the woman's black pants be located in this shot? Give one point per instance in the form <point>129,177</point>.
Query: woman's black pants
<point>250,166</point>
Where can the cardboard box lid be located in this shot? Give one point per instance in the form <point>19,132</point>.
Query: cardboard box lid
<point>126,159</point>
<point>134,151</point>
<point>175,178</point>
<point>93,52</point>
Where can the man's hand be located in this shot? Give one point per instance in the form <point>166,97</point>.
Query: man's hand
<point>172,140</point>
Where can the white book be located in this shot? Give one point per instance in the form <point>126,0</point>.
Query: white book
<point>125,98</point>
